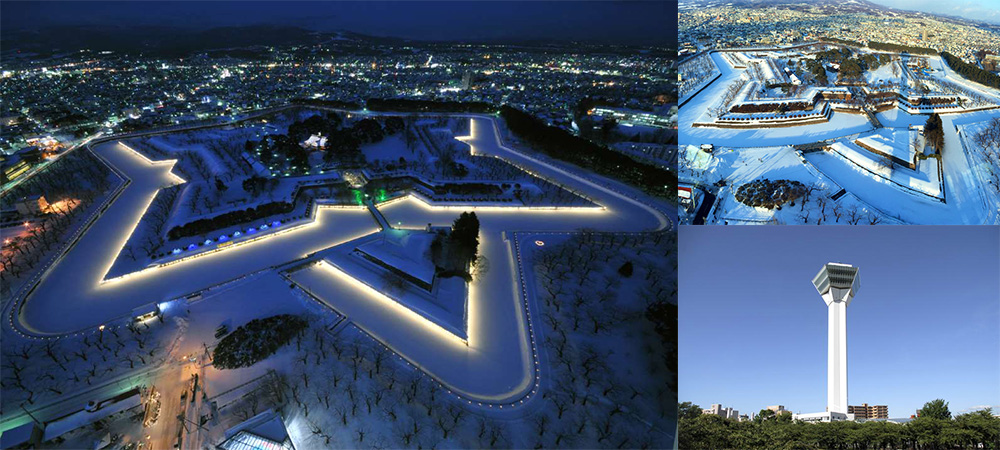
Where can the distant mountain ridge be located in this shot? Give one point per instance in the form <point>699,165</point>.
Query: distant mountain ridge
<point>833,7</point>
<point>155,39</point>
<point>178,41</point>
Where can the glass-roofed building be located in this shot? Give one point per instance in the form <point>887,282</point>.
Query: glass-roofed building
<point>265,431</point>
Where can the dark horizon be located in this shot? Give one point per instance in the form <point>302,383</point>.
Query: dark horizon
<point>625,23</point>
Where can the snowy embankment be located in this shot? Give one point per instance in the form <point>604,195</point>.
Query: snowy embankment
<point>501,339</point>
<point>695,74</point>
<point>80,272</point>
<point>893,142</point>
<point>941,67</point>
<point>444,305</point>
<point>699,107</point>
<point>741,166</point>
<point>984,165</point>
<point>924,181</point>
<point>840,124</point>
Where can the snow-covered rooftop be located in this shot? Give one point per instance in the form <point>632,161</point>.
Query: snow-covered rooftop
<point>316,141</point>
<point>404,250</point>
<point>893,142</point>
<point>695,158</point>
<point>265,431</point>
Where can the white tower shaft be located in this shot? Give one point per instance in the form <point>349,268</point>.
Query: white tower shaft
<point>836,283</point>
<point>836,387</point>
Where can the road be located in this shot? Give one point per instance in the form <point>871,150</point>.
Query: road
<point>40,167</point>
<point>78,400</point>
<point>706,206</point>
<point>172,384</point>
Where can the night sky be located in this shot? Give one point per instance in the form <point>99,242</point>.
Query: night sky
<point>600,22</point>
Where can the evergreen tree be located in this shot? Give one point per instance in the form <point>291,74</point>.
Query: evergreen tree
<point>626,269</point>
<point>971,71</point>
<point>934,132</point>
<point>464,240</point>
<point>937,409</point>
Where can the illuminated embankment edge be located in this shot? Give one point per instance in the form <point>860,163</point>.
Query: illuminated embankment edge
<point>524,308</point>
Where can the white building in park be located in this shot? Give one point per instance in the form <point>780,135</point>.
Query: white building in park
<point>718,410</point>
<point>315,141</point>
<point>836,283</point>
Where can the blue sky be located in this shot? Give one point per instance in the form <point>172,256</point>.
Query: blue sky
<point>925,323</point>
<point>985,10</point>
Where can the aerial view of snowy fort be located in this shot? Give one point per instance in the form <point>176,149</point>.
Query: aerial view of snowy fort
<point>834,132</point>
<point>311,277</point>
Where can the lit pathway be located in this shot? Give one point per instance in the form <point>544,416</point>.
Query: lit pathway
<point>499,364</point>
<point>70,297</point>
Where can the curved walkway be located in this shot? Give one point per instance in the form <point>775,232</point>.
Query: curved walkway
<point>499,365</point>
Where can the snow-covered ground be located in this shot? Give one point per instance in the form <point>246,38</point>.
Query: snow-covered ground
<point>207,156</point>
<point>445,304</point>
<point>499,366</point>
<point>696,73</point>
<point>738,166</point>
<point>891,73</point>
<point>79,273</point>
<point>924,180</point>
<point>953,193</point>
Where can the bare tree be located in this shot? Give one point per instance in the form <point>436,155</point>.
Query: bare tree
<point>541,422</point>
<point>404,433</point>
<point>360,433</point>
<point>445,426</point>
<point>838,211</point>
<point>854,215</point>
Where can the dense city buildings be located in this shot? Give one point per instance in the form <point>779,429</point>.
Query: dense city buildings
<point>68,97</point>
<point>747,25</point>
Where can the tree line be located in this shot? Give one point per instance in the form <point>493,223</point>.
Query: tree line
<point>900,48</point>
<point>256,340</point>
<point>851,67</point>
<point>751,108</point>
<point>933,428</point>
<point>340,104</point>
<point>409,105</point>
<point>970,71</point>
<point>343,144</point>
<point>202,226</point>
<point>560,144</point>
<point>841,41</point>
<point>35,373</point>
<point>882,46</point>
